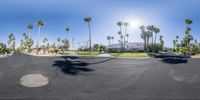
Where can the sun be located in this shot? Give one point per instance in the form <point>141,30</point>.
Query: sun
<point>134,23</point>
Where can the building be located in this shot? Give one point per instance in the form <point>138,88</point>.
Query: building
<point>130,46</point>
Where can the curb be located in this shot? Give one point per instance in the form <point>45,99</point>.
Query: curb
<point>5,56</point>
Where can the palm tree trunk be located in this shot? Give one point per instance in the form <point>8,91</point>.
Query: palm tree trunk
<point>155,38</point>
<point>112,41</point>
<point>90,41</point>
<point>66,36</point>
<point>125,37</point>
<point>120,28</point>
<point>144,44</point>
<point>38,39</point>
<point>29,33</point>
<point>152,38</point>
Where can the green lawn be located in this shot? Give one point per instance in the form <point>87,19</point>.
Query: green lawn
<point>65,53</point>
<point>88,53</point>
<point>131,55</point>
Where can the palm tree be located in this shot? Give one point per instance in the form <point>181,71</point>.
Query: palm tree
<point>151,29</point>
<point>127,36</point>
<point>189,39</point>
<point>120,23</point>
<point>109,38</point>
<point>188,36</point>
<point>39,23</point>
<point>148,35</point>
<point>21,42</point>
<point>177,37</point>
<point>196,42</point>
<point>65,45</point>
<point>119,33</point>
<point>44,41</point>
<point>188,22</point>
<point>89,20</point>
<point>25,39</point>
<point>126,24</point>
<point>156,30</point>
<point>122,38</point>
<point>30,27</point>
<point>144,36</point>
<point>29,44</point>
<point>58,40</point>
<point>112,39</point>
<point>67,30</point>
<point>174,44</point>
<point>161,41</point>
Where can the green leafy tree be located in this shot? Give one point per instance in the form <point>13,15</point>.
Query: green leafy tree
<point>11,41</point>
<point>27,42</point>
<point>102,47</point>
<point>3,48</point>
<point>96,47</point>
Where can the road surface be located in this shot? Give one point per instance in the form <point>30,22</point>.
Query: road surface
<point>91,78</point>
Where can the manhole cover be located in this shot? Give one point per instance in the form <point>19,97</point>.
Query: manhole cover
<point>34,80</point>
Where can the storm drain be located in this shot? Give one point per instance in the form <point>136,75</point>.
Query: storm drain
<point>34,80</point>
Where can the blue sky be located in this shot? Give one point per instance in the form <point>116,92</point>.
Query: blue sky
<point>168,15</point>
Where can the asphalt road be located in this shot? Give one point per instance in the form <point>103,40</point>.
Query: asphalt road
<point>90,78</point>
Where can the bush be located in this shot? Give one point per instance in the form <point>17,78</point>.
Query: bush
<point>194,50</point>
<point>21,48</point>
<point>184,50</point>
<point>156,48</point>
<point>88,53</point>
<point>4,49</point>
<point>102,48</point>
<point>114,50</point>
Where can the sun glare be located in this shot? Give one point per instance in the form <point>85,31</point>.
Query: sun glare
<point>134,23</point>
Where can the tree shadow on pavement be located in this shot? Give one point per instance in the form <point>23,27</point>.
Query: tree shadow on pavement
<point>104,60</point>
<point>174,59</point>
<point>72,67</point>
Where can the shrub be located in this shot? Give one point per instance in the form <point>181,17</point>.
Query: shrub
<point>156,48</point>
<point>4,49</point>
<point>114,50</point>
<point>102,48</point>
<point>184,50</point>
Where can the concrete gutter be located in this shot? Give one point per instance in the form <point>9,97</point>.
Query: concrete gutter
<point>6,55</point>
